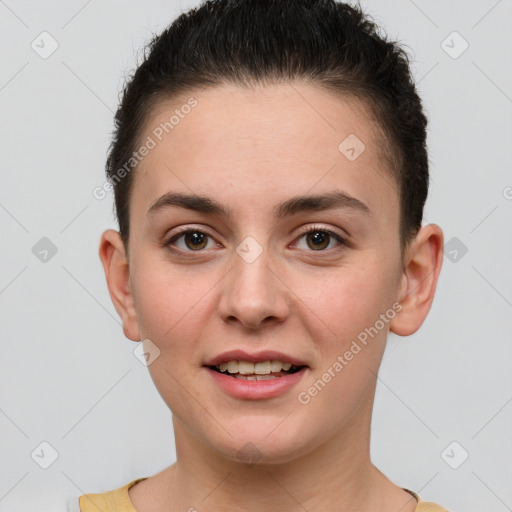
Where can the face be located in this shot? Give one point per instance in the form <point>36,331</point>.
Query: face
<point>248,276</point>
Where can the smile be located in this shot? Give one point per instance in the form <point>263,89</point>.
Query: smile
<point>256,386</point>
<point>264,370</point>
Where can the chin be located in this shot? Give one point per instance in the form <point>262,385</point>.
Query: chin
<point>254,448</point>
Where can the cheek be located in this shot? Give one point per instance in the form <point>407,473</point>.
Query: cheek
<point>342,315</point>
<point>167,303</point>
<point>171,310</point>
<point>343,302</point>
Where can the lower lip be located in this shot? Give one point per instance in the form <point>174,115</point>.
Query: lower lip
<point>254,389</point>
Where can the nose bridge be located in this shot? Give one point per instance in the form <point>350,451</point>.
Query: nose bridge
<point>252,293</point>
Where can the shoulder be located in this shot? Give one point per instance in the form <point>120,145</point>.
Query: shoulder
<point>426,506</point>
<point>116,500</point>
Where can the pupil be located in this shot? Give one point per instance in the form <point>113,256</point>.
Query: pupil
<point>319,236</point>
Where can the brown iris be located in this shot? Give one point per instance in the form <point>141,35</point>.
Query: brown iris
<point>195,238</point>
<point>318,237</point>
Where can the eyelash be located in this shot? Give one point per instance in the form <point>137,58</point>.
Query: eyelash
<point>314,229</point>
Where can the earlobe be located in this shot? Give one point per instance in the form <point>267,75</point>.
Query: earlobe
<point>115,264</point>
<point>419,280</point>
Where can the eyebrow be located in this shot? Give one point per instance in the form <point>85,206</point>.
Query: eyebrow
<point>288,208</point>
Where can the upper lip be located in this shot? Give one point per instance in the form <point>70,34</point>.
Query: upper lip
<point>256,357</point>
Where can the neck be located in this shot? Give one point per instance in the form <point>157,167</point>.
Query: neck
<point>337,470</point>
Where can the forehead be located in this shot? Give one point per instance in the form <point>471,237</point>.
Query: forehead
<point>246,147</point>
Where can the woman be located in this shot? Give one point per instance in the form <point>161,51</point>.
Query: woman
<point>270,169</point>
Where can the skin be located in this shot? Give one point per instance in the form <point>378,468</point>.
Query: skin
<point>250,149</point>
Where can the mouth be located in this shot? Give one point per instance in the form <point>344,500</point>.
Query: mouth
<point>265,370</point>
<point>252,376</point>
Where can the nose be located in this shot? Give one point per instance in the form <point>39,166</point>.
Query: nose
<point>253,294</point>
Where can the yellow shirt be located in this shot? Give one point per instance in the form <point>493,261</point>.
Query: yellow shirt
<point>119,501</point>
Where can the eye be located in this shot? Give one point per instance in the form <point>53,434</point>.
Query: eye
<point>193,239</point>
<point>318,238</point>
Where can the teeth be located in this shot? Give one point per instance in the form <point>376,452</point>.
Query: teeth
<point>248,368</point>
<point>276,366</point>
<point>255,377</point>
<point>262,368</point>
<point>232,367</point>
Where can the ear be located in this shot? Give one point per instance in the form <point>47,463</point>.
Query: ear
<point>422,265</point>
<point>117,273</point>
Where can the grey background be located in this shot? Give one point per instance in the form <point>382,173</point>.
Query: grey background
<point>68,375</point>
